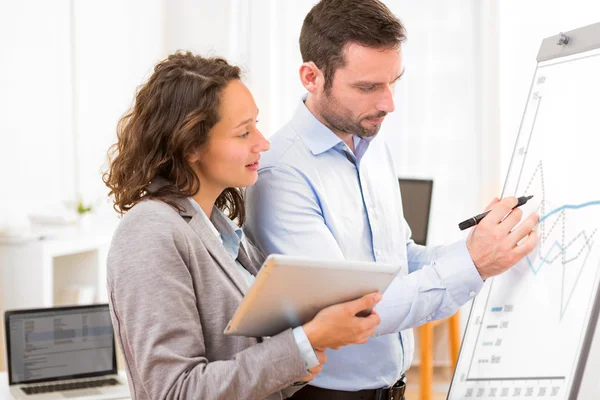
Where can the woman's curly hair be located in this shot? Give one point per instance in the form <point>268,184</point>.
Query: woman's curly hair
<point>171,117</point>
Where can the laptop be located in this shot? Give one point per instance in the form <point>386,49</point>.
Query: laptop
<point>62,353</point>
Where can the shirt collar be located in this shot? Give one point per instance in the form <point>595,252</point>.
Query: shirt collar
<point>318,137</point>
<point>224,228</point>
<point>315,135</point>
<point>205,217</point>
<point>361,145</point>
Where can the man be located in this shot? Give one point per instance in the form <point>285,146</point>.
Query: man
<point>327,189</point>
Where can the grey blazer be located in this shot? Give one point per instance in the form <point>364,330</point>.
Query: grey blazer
<point>172,289</point>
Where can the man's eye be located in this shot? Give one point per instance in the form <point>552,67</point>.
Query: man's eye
<point>367,89</point>
<point>245,134</point>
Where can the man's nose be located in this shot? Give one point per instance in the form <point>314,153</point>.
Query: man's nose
<point>386,101</point>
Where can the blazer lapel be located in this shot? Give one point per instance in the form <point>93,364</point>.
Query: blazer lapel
<point>212,243</point>
<point>244,259</point>
<point>214,246</point>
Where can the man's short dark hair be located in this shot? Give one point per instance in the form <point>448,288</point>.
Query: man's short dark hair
<point>333,24</point>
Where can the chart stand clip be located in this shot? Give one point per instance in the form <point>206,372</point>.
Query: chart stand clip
<point>562,39</point>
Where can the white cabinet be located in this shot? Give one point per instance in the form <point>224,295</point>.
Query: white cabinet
<point>44,273</point>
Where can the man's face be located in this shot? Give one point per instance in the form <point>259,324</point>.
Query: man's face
<point>362,92</point>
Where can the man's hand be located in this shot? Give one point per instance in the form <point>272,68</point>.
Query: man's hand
<point>495,245</point>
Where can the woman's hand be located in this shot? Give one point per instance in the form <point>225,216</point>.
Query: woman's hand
<point>315,370</point>
<point>338,325</point>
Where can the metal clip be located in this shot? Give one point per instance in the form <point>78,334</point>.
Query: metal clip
<point>562,39</point>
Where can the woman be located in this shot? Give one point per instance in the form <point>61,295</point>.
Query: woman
<point>178,265</point>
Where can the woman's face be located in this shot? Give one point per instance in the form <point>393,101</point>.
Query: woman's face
<point>230,158</point>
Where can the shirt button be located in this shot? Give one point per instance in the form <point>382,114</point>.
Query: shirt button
<point>471,294</point>
<point>377,253</point>
<point>429,318</point>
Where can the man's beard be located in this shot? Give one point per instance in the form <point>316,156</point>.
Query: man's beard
<point>341,119</point>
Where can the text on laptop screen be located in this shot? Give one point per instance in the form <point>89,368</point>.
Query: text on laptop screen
<point>59,343</point>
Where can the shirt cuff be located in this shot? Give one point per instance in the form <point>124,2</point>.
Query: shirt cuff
<point>306,350</point>
<point>458,273</point>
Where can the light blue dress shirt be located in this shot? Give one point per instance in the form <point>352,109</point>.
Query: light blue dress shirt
<point>231,238</point>
<point>316,198</point>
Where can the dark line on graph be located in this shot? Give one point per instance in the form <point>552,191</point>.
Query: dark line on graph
<point>588,243</point>
<point>540,167</point>
<point>545,259</point>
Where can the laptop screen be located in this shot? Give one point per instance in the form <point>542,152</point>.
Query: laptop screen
<point>59,343</point>
<point>416,202</point>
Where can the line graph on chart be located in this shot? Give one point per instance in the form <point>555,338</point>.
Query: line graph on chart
<point>556,247</point>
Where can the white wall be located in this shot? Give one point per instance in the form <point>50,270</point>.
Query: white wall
<point>68,71</point>
<point>35,102</point>
<point>261,36</point>
<point>117,44</point>
<point>433,132</point>
<point>199,26</point>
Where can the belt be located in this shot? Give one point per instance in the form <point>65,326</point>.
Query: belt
<point>394,392</point>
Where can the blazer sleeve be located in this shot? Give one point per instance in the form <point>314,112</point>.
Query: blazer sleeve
<point>154,305</point>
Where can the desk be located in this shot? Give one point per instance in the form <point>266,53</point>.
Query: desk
<point>5,394</point>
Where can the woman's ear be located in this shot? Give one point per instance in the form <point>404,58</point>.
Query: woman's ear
<point>311,76</point>
<point>193,157</point>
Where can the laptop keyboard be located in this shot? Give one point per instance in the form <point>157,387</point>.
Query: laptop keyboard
<point>69,386</point>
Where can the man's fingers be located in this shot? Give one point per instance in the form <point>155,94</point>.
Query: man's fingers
<point>364,303</point>
<point>494,201</point>
<point>511,221</point>
<point>524,229</point>
<point>500,209</point>
<point>527,245</point>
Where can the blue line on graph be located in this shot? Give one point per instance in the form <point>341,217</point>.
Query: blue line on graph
<point>496,309</point>
<point>570,207</point>
<point>533,269</point>
<point>559,209</point>
<point>548,259</point>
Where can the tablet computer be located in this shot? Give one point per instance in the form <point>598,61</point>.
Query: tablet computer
<point>290,291</point>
